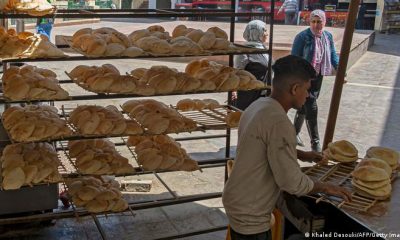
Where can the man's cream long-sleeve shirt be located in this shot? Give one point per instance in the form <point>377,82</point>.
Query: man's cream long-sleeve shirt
<point>265,164</point>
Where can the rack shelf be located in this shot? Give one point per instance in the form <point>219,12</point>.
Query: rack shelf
<point>135,13</point>
<point>207,120</point>
<point>84,58</point>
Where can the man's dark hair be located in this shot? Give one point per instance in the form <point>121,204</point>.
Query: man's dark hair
<point>289,68</point>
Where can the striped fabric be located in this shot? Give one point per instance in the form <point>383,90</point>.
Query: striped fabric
<point>290,6</point>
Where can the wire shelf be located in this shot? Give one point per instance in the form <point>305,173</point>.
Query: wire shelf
<point>241,50</point>
<point>340,175</point>
<point>135,13</point>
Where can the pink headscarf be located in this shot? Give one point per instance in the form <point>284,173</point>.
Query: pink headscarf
<point>321,14</point>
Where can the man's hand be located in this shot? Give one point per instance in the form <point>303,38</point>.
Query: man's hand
<point>311,157</point>
<point>331,189</point>
<point>337,191</point>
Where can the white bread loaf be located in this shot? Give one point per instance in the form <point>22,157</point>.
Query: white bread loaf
<point>96,195</point>
<point>32,83</point>
<point>218,32</point>
<point>98,157</point>
<point>97,120</point>
<point>161,153</point>
<point>28,164</point>
<point>157,117</point>
<point>33,123</point>
<point>196,104</point>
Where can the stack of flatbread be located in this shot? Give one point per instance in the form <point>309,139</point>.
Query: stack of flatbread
<point>341,151</point>
<point>32,83</point>
<point>215,76</point>
<point>371,178</point>
<point>184,41</point>
<point>98,120</point>
<point>165,80</point>
<point>28,164</point>
<point>107,79</point>
<point>31,7</point>
<point>26,44</point>
<point>197,104</point>
<point>104,42</point>
<point>34,123</point>
<point>96,194</point>
<point>161,152</point>
<point>157,117</point>
<point>99,157</point>
<point>388,155</point>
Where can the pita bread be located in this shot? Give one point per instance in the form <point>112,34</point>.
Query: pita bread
<point>343,148</point>
<point>388,155</point>
<point>370,174</point>
<point>370,185</point>
<point>380,192</point>
<point>375,162</point>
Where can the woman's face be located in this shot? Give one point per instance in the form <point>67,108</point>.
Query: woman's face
<point>265,36</point>
<point>316,24</point>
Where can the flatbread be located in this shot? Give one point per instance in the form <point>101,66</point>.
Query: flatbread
<point>370,185</point>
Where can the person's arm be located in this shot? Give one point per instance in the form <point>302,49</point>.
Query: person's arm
<point>282,159</point>
<point>334,56</point>
<point>298,45</point>
<point>240,61</point>
<point>310,156</point>
<point>282,7</point>
<point>331,189</point>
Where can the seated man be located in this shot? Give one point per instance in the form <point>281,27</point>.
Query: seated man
<point>266,160</point>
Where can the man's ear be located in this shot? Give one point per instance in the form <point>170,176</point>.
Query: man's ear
<point>293,89</point>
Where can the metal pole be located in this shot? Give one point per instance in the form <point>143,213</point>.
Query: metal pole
<point>339,81</point>
<point>271,38</point>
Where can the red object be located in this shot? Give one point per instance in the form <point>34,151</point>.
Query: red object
<point>245,6</point>
<point>333,19</point>
<point>183,5</point>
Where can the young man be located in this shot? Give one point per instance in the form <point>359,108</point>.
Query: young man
<point>266,159</point>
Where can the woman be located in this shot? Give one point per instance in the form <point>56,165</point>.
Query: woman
<point>316,46</point>
<point>255,35</point>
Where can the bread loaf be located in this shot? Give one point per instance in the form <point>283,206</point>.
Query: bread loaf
<point>104,42</point>
<point>138,34</point>
<point>207,41</point>
<point>369,174</point>
<point>196,104</point>
<point>161,153</point>
<point>28,164</point>
<point>156,117</point>
<point>104,79</point>
<point>97,120</point>
<point>33,123</point>
<point>375,162</point>
<point>98,157</point>
<point>386,154</point>
<point>96,195</point>
<point>218,32</point>
<point>32,83</point>
<point>341,151</point>
<point>180,30</point>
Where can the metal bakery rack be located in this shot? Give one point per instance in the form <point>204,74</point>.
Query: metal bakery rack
<point>206,120</point>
